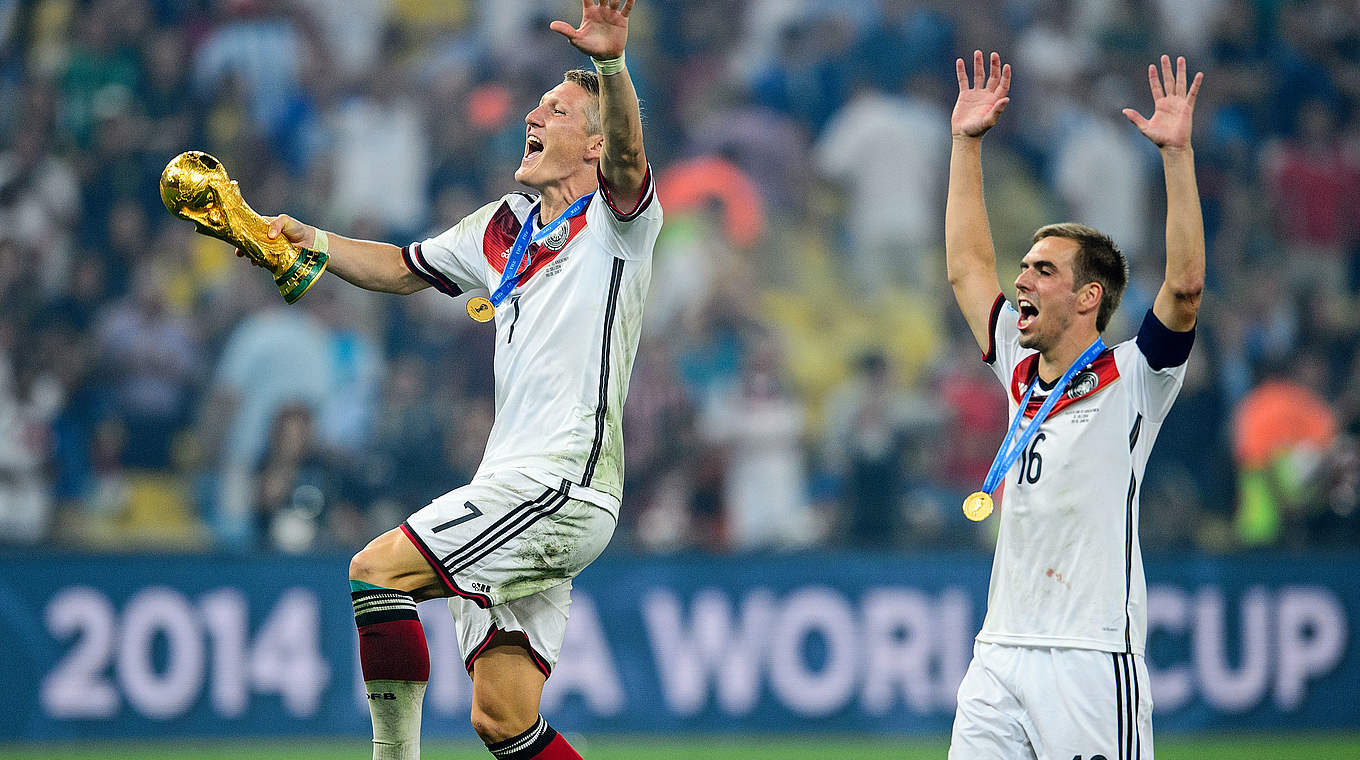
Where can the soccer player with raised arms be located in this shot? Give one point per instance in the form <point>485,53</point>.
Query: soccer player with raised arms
<point>1057,669</point>
<point>567,268</point>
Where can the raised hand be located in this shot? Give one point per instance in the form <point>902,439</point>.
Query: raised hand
<point>979,106</point>
<point>1173,106</point>
<point>603,31</point>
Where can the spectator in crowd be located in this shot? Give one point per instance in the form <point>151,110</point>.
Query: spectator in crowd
<point>1283,432</point>
<point>897,247</point>
<point>873,426</point>
<point>760,427</point>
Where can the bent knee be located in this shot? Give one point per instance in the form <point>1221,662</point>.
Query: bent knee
<point>391,561</point>
<point>497,728</point>
<point>366,566</point>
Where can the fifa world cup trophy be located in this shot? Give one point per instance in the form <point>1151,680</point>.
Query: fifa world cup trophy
<point>194,186</point>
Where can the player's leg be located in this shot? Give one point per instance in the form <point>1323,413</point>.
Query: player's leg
<point>989,721</point>
<point>506,548</point>
<point>387,578</point>
<point>507,686</point>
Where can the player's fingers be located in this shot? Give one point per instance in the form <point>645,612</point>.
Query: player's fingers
<point>1155,83</point>
<point>1168,76</point>
<point>1194,88</point>
<point>977,69</point>
<point>1181,80</point>
<point>627,8</point>
<point>1135,117</point>
<point>276,226</point>
<point>564,29</point>
<point>994,76</point>
<point>998,108</point>
<point>961,72</point>
<point>1005,80</point>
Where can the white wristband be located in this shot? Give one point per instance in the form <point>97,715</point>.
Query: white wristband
<point>610,66</point>
<point>322,243</point>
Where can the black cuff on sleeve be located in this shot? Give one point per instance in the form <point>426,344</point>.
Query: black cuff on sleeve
<point>1162,346</point>
<point>989,355</point>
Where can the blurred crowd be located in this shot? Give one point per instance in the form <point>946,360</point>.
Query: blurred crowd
<point>804,377</point>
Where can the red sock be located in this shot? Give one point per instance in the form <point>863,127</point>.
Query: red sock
<point>391,640</point>
<point>541,742</point>
<point>558,749</point>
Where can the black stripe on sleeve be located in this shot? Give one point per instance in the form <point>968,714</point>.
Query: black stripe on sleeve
<point>601,409</point>
<point>1162,346</point>
<point>643,201</point>
<point>990,355</point>
<point>415,261</point>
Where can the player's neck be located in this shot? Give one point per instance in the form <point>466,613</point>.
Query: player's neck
<point>1054,361</point>
<point>557,197</point>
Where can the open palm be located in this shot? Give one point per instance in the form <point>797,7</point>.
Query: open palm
<point>1173,105</point>
<point>980,105</point>
<point>603,31</point>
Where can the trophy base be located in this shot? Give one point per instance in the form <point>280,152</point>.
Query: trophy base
<point>300,276</point>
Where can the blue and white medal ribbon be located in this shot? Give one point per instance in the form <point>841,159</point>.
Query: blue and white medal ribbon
<point>979,504</point>
<point>482,309</point>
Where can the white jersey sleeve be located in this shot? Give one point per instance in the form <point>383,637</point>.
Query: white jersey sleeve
<point>1154,365</point>
<point>631,233</point>
<point>452,262</point>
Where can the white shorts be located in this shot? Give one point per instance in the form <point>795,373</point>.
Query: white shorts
<point>506,548</point>
<point>1052,704</point>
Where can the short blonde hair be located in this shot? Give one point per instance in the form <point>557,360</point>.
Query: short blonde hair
<point>590,82</point>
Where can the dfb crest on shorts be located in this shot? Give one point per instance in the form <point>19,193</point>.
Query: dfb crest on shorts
<point>557,238</point>
<point>1084,383</point>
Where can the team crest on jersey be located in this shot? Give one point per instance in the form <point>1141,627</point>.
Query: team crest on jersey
<point>557,238</point>
<point>1099,375</point>
<point>1084,383</point>
<point>504,227</point>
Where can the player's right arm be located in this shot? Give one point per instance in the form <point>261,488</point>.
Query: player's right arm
<point>969,256</point>
<point>369,264</point>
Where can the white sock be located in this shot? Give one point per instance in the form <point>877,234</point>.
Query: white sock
<point>395,707</point>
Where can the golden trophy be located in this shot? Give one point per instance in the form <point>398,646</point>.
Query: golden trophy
<point>194,186</point>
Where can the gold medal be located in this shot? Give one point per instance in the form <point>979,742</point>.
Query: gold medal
<point>977,506</point>
<point>480,309</point>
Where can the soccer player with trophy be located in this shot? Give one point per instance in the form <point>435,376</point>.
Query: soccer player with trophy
<point>1058,669</point>
<point>544,503</point>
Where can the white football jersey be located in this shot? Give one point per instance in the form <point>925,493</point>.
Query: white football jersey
<point>565,336</point>
<point>1068,571</point>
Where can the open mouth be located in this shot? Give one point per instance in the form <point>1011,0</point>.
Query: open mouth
<point>1028,312</point>
<point>532,147</point>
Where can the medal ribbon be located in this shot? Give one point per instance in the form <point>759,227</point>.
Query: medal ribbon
<point>510,275</point>
<point>1007,454</point>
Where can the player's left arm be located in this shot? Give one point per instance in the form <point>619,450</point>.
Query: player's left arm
<point>602,35</point>
<point>1177,303</point>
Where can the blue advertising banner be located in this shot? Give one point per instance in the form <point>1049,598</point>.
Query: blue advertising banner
<point>119,646</point>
